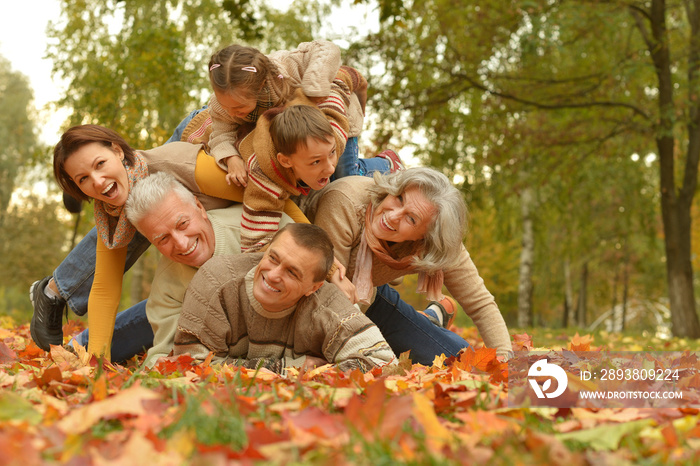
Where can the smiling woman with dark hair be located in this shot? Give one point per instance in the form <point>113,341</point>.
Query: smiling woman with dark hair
<point>92,162</point>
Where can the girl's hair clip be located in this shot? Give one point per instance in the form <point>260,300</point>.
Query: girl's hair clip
<point>249,68</point>
<point>214,66</point>
<point>280,76</point>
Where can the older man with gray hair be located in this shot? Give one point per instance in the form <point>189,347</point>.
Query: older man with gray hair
<point>187,235</point>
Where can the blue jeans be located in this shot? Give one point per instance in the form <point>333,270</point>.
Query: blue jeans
<point>350,162</point>
<point>75,274</point>
<point>404,329</point>
<point>177,134</point>
<point>132,333</point>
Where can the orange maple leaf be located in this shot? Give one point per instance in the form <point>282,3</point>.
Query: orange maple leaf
<point>483,357</point>
<point>365,416</point>
<point>580,343</point>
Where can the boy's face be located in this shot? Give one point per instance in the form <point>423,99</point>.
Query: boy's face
<point>313,164</point>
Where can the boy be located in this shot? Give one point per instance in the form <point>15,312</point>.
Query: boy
<point>290,152</point>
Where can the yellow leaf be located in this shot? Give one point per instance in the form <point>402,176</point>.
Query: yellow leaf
<point>82,353</point>
<point>73,446</point>
<point>607,436</point>
<point>129,401</point>
<point>318,370</point>
<point>182,442</point>
<point>439,361</point>
<point>64,358</point>
<point>436,434</point>
<point>99,389</point>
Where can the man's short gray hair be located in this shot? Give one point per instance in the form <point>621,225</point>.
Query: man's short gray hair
<point>445,235</point>
<point>149,193</point>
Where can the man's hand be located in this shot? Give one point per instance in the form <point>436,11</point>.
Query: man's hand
<point>312,362</point>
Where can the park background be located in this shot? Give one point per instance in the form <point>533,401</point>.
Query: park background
<point>550,119</point>
<point>571,128</point>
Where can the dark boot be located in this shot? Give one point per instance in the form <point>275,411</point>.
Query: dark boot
<point>47,320</point>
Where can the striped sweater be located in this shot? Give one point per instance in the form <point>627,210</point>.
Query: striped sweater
<point>221,315</point>
<point>269,183</point>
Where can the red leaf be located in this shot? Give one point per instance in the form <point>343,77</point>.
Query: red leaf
<point>670,435</point>
<point>6,354</point>
<point>31,351</point>
<point>365,416</point>
<point>182,363</point>
<point>522,342</point>
<point>49,375</point>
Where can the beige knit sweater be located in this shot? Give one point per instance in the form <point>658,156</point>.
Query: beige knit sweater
<point>340,209</point>
<point>220,314</point>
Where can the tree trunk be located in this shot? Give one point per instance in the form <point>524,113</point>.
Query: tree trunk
<point>625,290</point>
<point>568,296</point>
<point>582,298</point>
<point>676,198</point>
<point>684,319</point>
<point>137,269</point>
<point>527,254</point>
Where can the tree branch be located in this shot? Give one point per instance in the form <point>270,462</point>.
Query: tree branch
<point>533,103</point>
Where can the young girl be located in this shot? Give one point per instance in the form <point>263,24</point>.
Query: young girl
<point>246,83</point>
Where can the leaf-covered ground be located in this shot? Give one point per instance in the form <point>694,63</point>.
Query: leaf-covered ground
<point>56,409</point>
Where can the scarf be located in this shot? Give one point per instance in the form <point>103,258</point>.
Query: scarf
<point>270,96</point>
<point>429,284</point>
<point>112,226</point>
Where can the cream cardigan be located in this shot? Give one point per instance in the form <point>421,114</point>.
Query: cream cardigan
<point>340,209</point>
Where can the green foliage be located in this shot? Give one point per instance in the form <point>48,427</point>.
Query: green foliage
<point>213,421</point>
<point>17,131</point>
<point>129,65</point>
<point>555,96</point>
<point>32,242</point>
<point>139,67</point>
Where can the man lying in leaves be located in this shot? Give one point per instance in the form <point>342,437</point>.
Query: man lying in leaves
<point>276,309</point>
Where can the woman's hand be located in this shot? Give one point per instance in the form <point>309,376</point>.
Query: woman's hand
<point>236,171</point>
<point>338,264</point>
<point>345,285</point>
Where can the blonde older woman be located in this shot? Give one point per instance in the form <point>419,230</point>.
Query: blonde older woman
<point>408,222</point>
